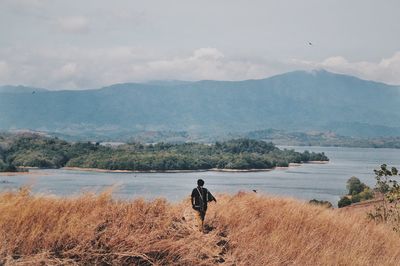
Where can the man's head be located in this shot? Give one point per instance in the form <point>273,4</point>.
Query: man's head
<point>200,182</point>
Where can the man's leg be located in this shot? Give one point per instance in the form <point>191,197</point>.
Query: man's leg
<point>202,216</point>
<point>199,220</point>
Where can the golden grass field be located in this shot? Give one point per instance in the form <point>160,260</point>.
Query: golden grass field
<point>241,229</point>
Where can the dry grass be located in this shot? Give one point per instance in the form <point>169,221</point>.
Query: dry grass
<point>245,229</point>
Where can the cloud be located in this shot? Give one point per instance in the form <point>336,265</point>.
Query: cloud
<point>74,24</point>
<point>4,70</point>
<point>79,68</point>
<point>386,70</point>
<point>207,54</point>
<point>203,63</point>
<point>26,3</point>
<point>67,70</point>
<point>70,67</point>
<point>66,74</point>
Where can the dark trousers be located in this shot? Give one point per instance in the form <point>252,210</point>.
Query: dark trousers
<point>200,215</point>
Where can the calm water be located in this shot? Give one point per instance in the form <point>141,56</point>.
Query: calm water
<point>308,181</point>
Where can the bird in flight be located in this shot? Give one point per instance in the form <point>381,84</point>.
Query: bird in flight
<point>309,43</point>
<point>33,92</point>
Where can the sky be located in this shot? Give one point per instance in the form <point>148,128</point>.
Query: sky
<point>60,44</point>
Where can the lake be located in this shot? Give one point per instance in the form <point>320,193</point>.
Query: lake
<point>308,181</point>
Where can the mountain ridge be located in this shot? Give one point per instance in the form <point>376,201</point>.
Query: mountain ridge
<point>298,100</point>
<point>24,88</point>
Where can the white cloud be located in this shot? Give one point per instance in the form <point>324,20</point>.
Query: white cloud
<point>335,61</point>
<point>78,68</point>
<point>66,75</point>
<point>71,67</point>
<point>74,24</point>
<point>207,54</point>
<point>4,70</point>
<point>204,63</point>
<point>386,70</point>
<point>67,70</point>
<point>25,3</point>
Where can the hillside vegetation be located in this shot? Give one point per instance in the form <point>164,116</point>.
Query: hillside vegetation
<point>39,151</point>
<point>326,139</point>
<point>244,229</point>
<point>300,101</point>
<point>278,137</point>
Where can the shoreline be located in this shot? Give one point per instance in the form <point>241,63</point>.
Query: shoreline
<point>98,170</point>
<point>315,162</point>
<point>15,173</point>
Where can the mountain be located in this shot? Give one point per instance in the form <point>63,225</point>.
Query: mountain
<point>19,89</point>
<point>300,100</point>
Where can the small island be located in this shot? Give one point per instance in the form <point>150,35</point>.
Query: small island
<point>238,154</point>
<point>6,167</point>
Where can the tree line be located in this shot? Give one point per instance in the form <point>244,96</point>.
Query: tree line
<point>46,152</point>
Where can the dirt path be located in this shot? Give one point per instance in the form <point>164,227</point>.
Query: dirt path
<point>219,240</point>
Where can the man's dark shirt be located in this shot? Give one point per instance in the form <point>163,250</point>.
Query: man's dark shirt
<point>200,197</point>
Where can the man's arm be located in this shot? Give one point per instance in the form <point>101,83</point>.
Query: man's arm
<point>211,197</point>
<point>193,198</point>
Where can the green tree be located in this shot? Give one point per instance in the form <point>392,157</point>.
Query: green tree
<point>344,201</point>
<point>354,185</point>
<point>388,209</point>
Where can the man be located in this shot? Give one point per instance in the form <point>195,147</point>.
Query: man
<point>200,197</point>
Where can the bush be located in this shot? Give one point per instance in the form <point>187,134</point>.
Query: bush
<point>387,210</point>
<point>357,191</point>
<point>355,198</point>
<point>323,203</point>
<point>366,194</point>
<point>344,201</point>
<point>355,186</point>
<point>6,167</point>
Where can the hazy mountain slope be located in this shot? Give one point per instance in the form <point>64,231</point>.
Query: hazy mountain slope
<point>19,89</point>
<point>296,100</point>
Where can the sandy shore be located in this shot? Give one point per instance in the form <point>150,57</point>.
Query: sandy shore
<point>240,170</point>
<point>128,171</point>
<point>158,171</point>
<point>166,171</point>
<point>189,171</point>
<point>17,173</point>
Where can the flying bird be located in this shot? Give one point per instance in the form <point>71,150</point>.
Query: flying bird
<point>309,43</point>
<point>255,191</point>
<point>33,92</point>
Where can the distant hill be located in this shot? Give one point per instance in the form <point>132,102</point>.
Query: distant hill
<point>19,89</point>
<point>295,101</point>
<point>314,138</point>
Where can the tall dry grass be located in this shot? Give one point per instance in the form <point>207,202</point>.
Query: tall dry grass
<point>245,229</point>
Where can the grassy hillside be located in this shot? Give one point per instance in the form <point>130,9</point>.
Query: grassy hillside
<point>245,229</point>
